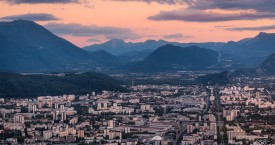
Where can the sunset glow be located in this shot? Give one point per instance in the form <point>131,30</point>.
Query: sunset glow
<point>136,20</point>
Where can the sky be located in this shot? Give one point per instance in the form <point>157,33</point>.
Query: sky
<point>87,22</point>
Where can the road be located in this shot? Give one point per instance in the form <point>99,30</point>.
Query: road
<point>220,122</point>
<point>179,135</point>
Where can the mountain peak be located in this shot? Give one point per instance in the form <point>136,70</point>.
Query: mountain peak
<point>262,34</point>
<point>23,22</point>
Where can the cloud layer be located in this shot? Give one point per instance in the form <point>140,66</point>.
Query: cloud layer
<point>92,30</point>
<point>202,16</point>
<point>170,2</point>
<point>31,16</point>
<point>93,40</point>
<point>198,11</point>
<point>258,28</point>
<point>257,5</point>
<point>40,1</point>
<point>175,36</point>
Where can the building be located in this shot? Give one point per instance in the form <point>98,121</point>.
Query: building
<point>110,123</point>
<point>47,134</point>
<point>18,119</point>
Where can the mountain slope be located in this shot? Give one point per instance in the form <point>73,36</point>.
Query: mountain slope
<point>267,67</point>
<point>27,47</point>
<point>105,58</point>
<point>16,85</point>
<point>250,52</point>
<point>170,57</point>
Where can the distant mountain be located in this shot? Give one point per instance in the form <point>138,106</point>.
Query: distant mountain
<point>250,52</point>
<point>17,85</point>
<point>171,58</point>
<point>267,67</point>
<point>27,46</point>
<point>118,47</point>
<point>213,79</point>
<point>105,58</point>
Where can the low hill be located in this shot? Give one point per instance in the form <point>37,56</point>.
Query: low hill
<point>17,85</point>
<point>213,79</point>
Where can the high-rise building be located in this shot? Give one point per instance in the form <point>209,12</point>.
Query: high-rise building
<point>110,123</point>
<point>105,105</point>
<point>56,105</point>
<point>62,107</point>
<point>63,116</point>
<point>80,133</point>
<point>55,115</point>
<point>213,126</point>
<point>98,105</point>
<point>189,128</point>
<point>34,108</point>
<point>212,118</point>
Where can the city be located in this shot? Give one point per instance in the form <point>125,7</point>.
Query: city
<point>147,114</point>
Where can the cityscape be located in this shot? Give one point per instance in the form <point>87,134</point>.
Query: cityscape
<point>147,114</point>
<point>137,72</point>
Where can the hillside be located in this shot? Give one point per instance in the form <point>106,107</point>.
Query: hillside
<point>171,58</point>
<point>29,47</point>
<point>267,67</point>
<point>17,85</point>
<point>105,58</point>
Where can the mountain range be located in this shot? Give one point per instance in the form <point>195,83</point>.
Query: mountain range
<point>119,47</point>
<point>28,47</point>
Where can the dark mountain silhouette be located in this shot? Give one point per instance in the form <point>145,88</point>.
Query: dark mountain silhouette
<point>29,47</point>
<point>171,58</point>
